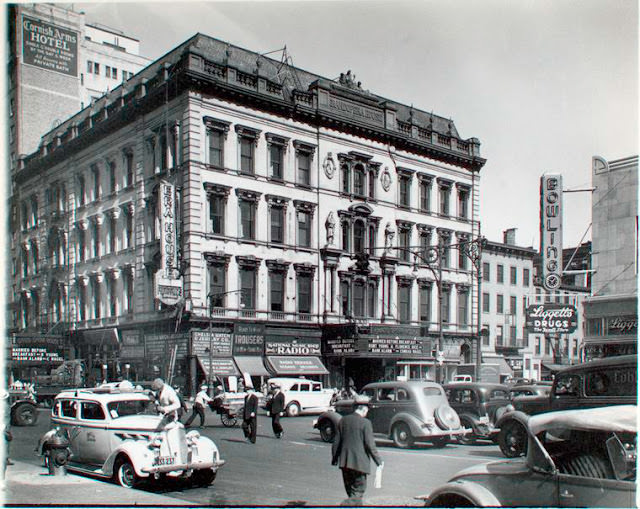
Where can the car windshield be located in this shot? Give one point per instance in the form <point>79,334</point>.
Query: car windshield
<point>131,407</point>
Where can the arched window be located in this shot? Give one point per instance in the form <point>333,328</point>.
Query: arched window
<point>358,236</point>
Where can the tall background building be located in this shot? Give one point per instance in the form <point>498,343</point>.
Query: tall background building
<point>612,310</point>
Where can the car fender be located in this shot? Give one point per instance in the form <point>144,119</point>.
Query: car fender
<point>330,415</point>
<point>515,415</point>
<point>414,423</point>
<point>476,493</point>
<point>138,452</point>
<point>471,418</point>
<point>44,439</point>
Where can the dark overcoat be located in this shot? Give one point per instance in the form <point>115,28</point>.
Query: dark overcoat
<point>250,405</point>
<point>353,446</point>
<point>277,403</point>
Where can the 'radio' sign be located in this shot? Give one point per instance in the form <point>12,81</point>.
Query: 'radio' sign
<point>551,318</point>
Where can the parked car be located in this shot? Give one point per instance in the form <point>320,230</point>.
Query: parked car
<point>462,378</point>
<point>406,412</point>
<point>603,382</point>
<point>24,410</point>
<point>117,433</point>
<point>529,389</point>
<point>575,458</point>
<point>302,395</point>
<point>479,406</point>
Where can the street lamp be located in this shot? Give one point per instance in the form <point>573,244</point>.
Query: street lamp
<point>433,257</point>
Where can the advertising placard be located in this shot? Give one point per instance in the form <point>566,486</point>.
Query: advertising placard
<point>286,345</point>
<point>551,230</point>
<point>248,339</point>
<point>551,318</point>
<point>35,350</point>
<point>49,46</point>
<point>218,341</point>
<point>168,285</point>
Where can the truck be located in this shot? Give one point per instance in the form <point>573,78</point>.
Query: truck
<point>489,373</point>
<point>69,375</point>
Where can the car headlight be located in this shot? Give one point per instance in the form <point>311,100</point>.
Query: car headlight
<point>192,437</point>
<point>156,441</point>
<point>429,422</point>
<point>484,419</point>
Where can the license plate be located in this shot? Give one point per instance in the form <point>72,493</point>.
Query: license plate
<point>164,460</point>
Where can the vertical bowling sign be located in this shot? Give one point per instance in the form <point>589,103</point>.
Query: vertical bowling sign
<point>168,282</point>
<point>551,230</point>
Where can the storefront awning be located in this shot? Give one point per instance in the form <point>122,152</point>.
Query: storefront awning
<point>285,365</point>
<point>252,365</point>
<point>100,337</point>
<point>219,366</point>
<point>504,367</point>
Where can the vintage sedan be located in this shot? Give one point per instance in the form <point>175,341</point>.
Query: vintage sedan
<point>406,412</point>
<point>479,406</point>
<point>117,433</point>
<point>575,458</point>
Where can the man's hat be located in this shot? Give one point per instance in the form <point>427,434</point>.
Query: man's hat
<point>204,387</point>
<point>361,400</point>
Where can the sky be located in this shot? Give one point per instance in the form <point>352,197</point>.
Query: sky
<point>543,84</point>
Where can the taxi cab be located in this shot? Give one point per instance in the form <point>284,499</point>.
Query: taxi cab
<point>117,433</point>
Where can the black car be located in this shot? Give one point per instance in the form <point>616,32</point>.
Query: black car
<point>479,406</point>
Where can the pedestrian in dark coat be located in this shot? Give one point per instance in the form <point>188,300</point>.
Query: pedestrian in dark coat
<point>353,448</point>
<point>250,416</point>
<point>277,411</point>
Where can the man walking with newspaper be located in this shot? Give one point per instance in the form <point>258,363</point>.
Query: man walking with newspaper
<point>353,448</point>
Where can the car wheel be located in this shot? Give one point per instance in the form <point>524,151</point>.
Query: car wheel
<point>446,417</point>
<point>469,438</point>
<point>327,430</point>
<point>125,474</point>
<point>440,442</point>
<point>512,439</point>
<point>228,420</point>
<point>402,436</point>
<point>293,410</point>
<point>203,477</point>
<point>25,414</point>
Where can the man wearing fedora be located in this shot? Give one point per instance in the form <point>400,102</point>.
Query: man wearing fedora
<point>276,409</point>
<point>353,448</point>
<point>250,415</point>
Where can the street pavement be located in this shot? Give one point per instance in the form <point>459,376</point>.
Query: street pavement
<point>27,484</point>
<point>291,472</point>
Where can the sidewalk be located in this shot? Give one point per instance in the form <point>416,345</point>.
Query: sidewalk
<point>28,484</point>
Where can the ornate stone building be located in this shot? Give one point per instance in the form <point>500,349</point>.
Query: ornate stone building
<point>222,212</point>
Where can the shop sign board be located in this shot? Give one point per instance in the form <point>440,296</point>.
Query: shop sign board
<point>625,325</point>
<point>399,346</point>
<point>285,345</point>
<point>49,46</point>
<point>551,230</point>
<point>216,342</point>
<point>168,284</point>
<point>158,346</point>
<point>551,318</point>
<point>248,339</point>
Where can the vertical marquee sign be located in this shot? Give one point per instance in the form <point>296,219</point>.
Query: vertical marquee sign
<point>49,46</point>
<point>168,282</point>
<point>551,230</point>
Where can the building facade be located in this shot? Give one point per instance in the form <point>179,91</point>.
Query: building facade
<point>510,284</point>
<point>611,310</point>
<point>222,213</point>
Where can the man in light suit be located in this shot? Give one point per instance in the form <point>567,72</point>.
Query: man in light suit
<point>353,448</point>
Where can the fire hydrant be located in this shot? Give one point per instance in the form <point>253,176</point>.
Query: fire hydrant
<point>57,454</point>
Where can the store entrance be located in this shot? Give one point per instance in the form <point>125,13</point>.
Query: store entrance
<point>364,371</point>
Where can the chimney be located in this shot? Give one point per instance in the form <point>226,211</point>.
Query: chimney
<point>509,237</point>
